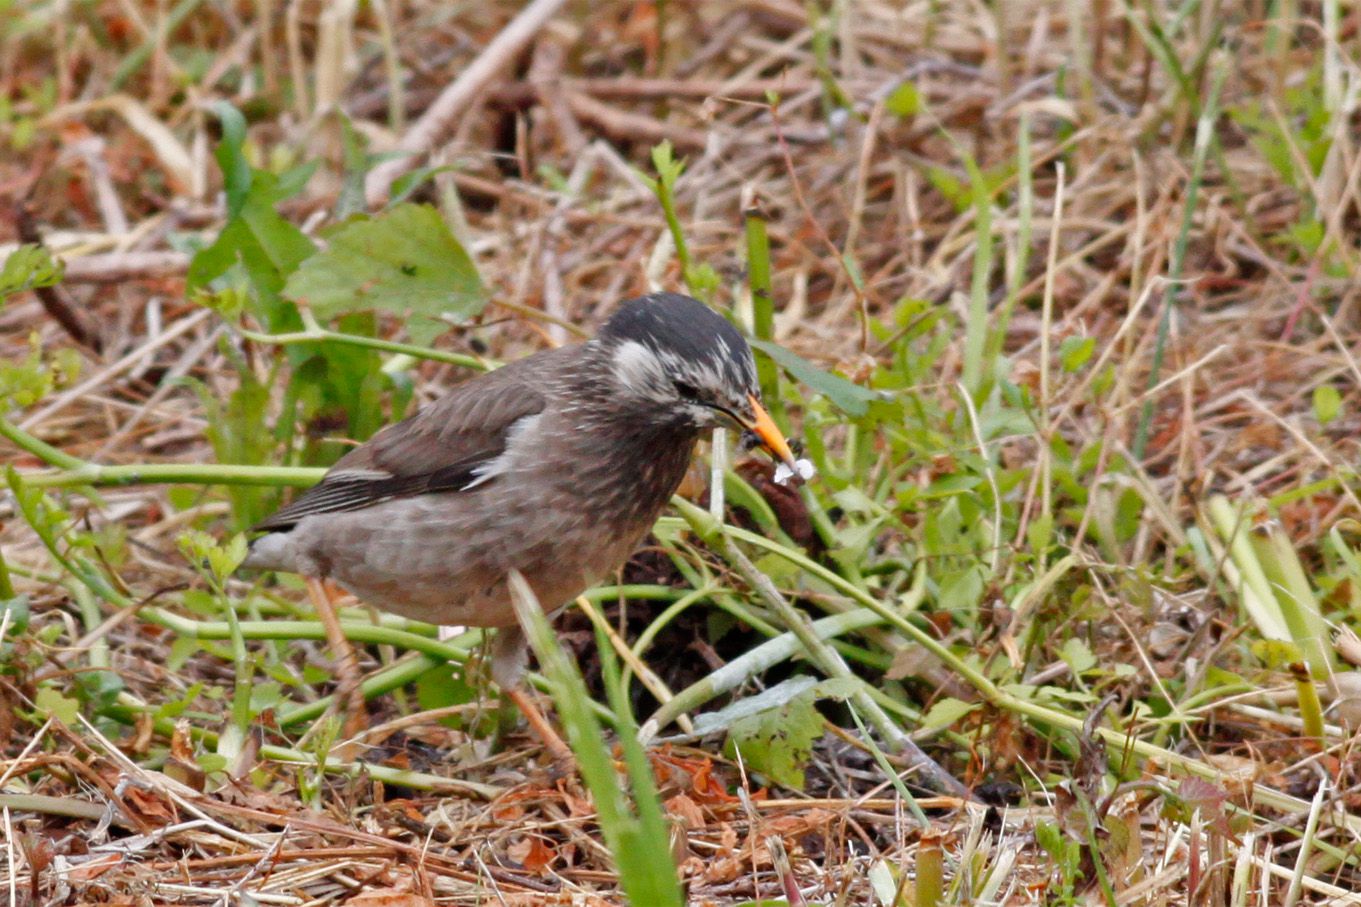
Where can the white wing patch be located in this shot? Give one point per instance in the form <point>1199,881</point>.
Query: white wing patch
<point>515,449</point>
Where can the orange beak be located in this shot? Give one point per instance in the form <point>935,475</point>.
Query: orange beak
<point>765,428</point>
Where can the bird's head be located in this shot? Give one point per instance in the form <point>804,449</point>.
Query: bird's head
<point>675,358</point>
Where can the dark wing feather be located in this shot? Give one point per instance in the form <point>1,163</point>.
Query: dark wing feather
<point>438,449</point>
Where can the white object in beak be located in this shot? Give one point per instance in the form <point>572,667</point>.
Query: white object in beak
<point>802,468</point>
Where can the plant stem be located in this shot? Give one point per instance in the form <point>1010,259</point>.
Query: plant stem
<point>1120,741</point>
<point>128,710</point>
<point>175,474</point>
<point>1204,136</point>
<point>40,449</point>
<point>765,656</point>
<point>322,335</point>
<point>828,659</point>
<point>762,304</point>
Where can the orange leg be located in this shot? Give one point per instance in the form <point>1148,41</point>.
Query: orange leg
<point>349,695</point>
<point>561,753</point>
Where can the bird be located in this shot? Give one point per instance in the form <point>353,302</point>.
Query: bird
<point>555,465</point>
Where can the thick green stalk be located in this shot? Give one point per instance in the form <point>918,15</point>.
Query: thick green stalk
<point>762,303</point>
<point>763,657</point>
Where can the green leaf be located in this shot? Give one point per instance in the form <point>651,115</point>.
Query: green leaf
<point>1078,655</point>
<point>845,395</point>
<point>231,158</point>
<point>1327,403</point>
<point>406,185</point>
<point>63,708</point>
<point>778,742</point>
<point>202,549</point>
<point>904,101</point>
<point>212,762</point>
<point>404,261</point>
<point>1040,533</point>
<point>28,267</point>
<point>668,168</point>
<point>267,246</point>
<point>99,688</point>
<point>946,712</point>
<point>266,694</point>
<point>14,615</point>
<point>441,687</point>
<point>1074,352</point>
<point>1276,653</point>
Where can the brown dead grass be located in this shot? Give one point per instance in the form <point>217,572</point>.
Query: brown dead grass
<point>108,185</point>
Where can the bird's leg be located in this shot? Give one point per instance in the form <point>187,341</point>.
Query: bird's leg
<point>509,652</point>
<point>348,692</point>
<point>557,748</point>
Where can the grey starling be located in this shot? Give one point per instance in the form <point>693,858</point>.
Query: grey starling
<point>556,465</point>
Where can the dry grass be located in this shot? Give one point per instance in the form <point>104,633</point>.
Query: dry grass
<point>873,234</point>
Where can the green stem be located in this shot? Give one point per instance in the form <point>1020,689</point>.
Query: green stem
<point>762,304</point>
<point>128,710</point>
<point>765,656</point>
<point>40,449</point>
<point>1204,136</point>
<point>175,474</point>
<point>303,629</point>
<point>394,677</point>
<point>1119,740</point>
<point>976,328</point>
<point>827,659</point>
<point>321,335</point>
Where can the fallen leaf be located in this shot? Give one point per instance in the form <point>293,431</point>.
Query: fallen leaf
<point>685,811</point>
<point>532,853</point>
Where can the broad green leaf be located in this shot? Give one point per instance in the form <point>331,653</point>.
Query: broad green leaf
<point>266,694</point>
<point>14,615</point>
<point>100,688</point>
<point>778,742</point>
<point>847,396</point>
<point>268,247</point>
<point>403,261</point>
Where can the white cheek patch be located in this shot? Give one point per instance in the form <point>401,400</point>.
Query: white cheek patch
<point>701,415</point>
<point>638,369</point>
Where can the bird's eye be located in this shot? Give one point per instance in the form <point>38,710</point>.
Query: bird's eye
<point>687,391</point>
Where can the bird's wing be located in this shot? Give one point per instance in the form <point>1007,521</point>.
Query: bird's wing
<point>449,446</point>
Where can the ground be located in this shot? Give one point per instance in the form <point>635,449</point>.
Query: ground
<point>1058,298</point>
